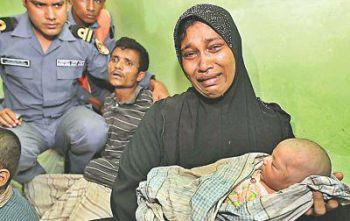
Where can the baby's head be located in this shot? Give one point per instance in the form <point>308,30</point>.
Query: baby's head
<point>10,151</point>
<point>292,161</point>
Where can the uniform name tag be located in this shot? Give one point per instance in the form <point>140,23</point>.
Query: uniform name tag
<point>70,63</point>
<point>15,62</point>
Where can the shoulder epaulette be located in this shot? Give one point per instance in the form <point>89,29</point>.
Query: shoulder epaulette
<point>7,24</point>
<point>81,32</point>
<point>87,34</point>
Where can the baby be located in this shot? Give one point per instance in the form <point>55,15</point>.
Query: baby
<point>291,162</point>
<point>254,186</point>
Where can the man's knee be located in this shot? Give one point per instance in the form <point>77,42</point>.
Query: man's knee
<point>27,160</point>
<point>91,135</point>
<point>28,166</point>
<point>82,126</point>
<point>31,147</point>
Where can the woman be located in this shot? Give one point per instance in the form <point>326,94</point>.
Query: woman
<point>218,117</point>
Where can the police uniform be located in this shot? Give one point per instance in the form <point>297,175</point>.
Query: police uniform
<point>42,88</point>
<point>99,88</point>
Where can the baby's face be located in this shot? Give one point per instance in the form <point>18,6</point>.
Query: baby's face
<point>278,172</point>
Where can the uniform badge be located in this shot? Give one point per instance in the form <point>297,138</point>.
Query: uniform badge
<point>15,62</point>
<point>84,33</point>
<point>69,63</point>
<point>101,47</point>
<point>7,24</point>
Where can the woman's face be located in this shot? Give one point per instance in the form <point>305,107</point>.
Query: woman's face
<point>207,60</point>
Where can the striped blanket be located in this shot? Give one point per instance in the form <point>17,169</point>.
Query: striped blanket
<point>175,193</point>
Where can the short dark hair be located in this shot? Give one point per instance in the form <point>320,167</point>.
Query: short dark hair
<point>10,151</point>
<point>129,43</point>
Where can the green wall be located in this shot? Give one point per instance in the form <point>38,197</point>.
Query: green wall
<point>297,53</point>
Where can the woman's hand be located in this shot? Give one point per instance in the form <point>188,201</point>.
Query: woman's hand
<point>321,207</point>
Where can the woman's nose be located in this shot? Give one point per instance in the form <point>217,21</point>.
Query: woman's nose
<point>205,63</point>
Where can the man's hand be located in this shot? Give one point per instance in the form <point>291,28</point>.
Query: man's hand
<point>321,207</point>
<point>104,21</point>
<point>96,103</point>
<point>8,118</point>
<point>158,89</point>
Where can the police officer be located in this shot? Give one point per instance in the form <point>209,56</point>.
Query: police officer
<point>41,60</point>
<point>90,13</point>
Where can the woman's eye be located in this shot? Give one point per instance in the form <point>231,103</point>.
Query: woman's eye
<point>189,54</point>
<point>215,47</point>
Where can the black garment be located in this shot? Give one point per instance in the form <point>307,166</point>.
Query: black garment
<point>190,130</point>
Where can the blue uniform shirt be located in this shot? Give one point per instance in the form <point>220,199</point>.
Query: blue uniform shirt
<point>38,84</point>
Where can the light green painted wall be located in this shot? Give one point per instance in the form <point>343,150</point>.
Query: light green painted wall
<point>297,53</point>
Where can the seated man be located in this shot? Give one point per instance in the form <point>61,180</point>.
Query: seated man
<point>41,60</point>
<point>94,16</point>
<point>12,205</point>
<point>250,187</point>
<point>55,196</point>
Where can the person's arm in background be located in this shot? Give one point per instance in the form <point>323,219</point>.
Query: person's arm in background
<point>8,117</point>
<point>97,61</point>
<point>142,154</point>
<point>103,32</point>
<point>96,64</point>
<point>159,90</point>
<point>85,97</point>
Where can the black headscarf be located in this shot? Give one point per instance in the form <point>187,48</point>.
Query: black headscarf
<point>234,124</point>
